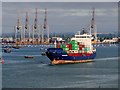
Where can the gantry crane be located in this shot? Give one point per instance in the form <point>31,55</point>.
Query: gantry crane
<point>26,29</point>
<point>18,30</point>
<point>93,25</point>
<point>45,27</point>
<point>37,28</point>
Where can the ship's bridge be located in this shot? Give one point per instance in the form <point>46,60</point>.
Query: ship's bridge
<point>83,38</point>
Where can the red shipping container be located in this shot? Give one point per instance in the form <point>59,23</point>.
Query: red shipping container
<point>83,46</point>
<point>67,45</point>
<point>70,48</point>
<point>70,44</point>
<point>78,43</point>
<point>58,46</point>
<point>80,48</point>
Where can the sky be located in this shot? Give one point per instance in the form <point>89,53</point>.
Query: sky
<point>62,16</point>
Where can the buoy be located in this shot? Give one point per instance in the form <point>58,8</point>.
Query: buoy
<point>3,61</point>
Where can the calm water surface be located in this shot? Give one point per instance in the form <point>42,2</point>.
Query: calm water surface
<point>19,72</point>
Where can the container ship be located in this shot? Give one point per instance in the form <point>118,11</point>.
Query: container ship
<point>78,50</point>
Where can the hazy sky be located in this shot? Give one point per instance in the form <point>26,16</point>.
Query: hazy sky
<point>63,16</point>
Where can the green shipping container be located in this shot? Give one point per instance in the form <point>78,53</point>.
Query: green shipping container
<point>74,45</point>
<point>72,42</point>
<point>83,48</point>
<point>85,51</point>
<point>88,51</point>
<point>87,48</point>
<point>74,48</point>
<point>61,46</point>
<point>65,49</point>
<point>55,46</point>
<point>64,46</point>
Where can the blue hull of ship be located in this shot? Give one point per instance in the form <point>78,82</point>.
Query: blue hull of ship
<point>54,53</point>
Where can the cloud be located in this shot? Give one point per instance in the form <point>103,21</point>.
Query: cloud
<point>88,12</point>
<point>62,16</point>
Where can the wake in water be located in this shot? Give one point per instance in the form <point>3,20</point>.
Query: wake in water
<point>110,58</point>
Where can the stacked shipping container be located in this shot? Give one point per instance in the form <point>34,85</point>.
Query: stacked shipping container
<point>75,48</point>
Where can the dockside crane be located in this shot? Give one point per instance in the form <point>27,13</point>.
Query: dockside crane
<point>26,28</point>
<point>18,30</point>
<point>37,28</point>
<point>93,25</point>
<point>45,27</point>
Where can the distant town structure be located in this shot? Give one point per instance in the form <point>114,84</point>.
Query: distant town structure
<point>113,40</point>
<point>57,39</point>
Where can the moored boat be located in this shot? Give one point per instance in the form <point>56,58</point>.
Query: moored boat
<point>29,56</point>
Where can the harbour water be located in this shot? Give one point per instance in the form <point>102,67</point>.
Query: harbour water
<point>19,72</point>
